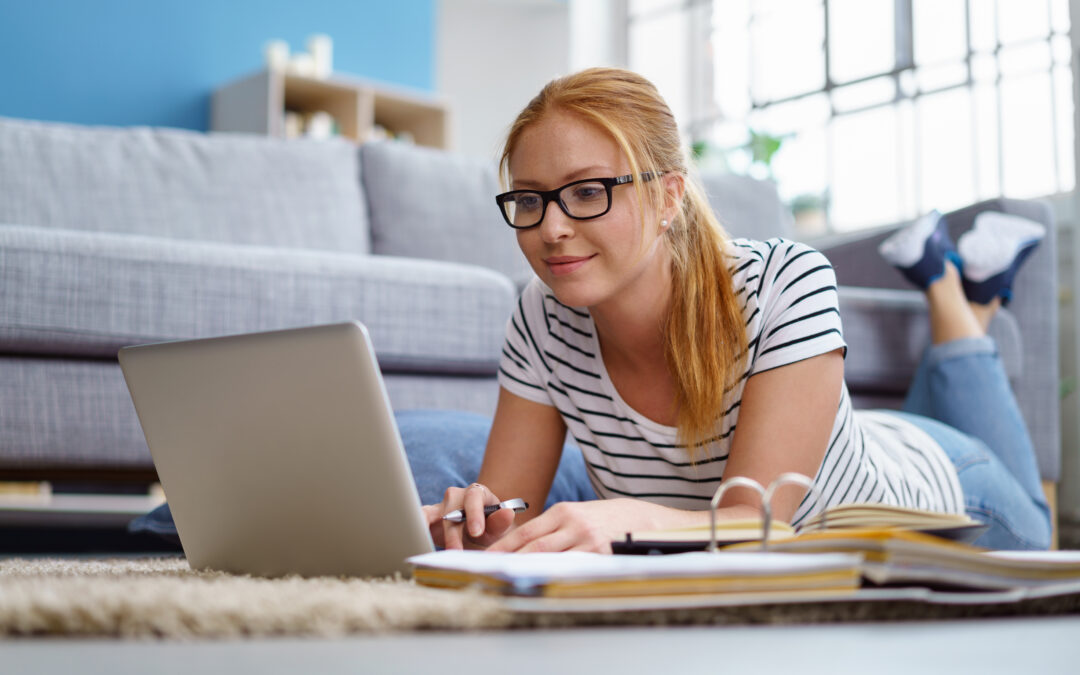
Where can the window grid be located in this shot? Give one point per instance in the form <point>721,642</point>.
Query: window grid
<point>703,115</point>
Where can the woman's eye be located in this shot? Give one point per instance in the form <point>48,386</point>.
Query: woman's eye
<point>528,202</point>
<point>588,192</point>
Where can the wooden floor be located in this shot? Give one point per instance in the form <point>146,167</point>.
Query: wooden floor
<point>1015,646</point>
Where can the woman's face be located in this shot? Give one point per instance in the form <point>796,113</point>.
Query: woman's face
<point>586,262</point>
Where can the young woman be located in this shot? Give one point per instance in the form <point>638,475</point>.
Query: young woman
<point>676,357</point>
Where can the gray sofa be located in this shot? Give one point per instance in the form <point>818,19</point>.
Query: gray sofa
<point>885,322</point>
<point>110,237</point>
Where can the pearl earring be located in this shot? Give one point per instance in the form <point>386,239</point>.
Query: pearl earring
<point>663,223</point>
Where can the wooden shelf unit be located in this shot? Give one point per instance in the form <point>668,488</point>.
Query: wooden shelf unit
<point>257,104</point>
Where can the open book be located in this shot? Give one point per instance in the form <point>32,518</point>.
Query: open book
<point>687,539</point>
<point>958,527</point>
<point>843,516</point>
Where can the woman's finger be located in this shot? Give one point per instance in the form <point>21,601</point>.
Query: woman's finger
<point>560,540</point>
<point>433,516</point>
<point>540,526</point>
<point>451,531</point>
<point>453,534</point>
<point>476,497</point>
<point>496,526</point>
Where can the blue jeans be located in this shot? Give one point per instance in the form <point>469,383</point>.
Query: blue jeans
<point>445,449</point>
<point>961,397</point>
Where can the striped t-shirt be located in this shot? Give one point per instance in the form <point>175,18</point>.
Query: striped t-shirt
<point>789,301</point>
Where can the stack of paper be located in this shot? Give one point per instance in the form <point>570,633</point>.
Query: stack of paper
<point>592,575</point>
<point>900,557</point>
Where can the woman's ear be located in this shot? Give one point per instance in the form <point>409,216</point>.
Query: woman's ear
<point>674,189</point>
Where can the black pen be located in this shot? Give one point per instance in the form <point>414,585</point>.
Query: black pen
<point>518,505</point>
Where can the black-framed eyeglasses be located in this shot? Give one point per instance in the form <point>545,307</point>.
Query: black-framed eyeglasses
<point>580,200</point>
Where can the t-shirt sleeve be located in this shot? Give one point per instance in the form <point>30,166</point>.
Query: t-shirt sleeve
<point>800,312</point>
<point>520,367</point>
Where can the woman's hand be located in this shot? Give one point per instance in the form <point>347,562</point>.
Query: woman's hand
<point>476,531</point>
<point>589,526</point>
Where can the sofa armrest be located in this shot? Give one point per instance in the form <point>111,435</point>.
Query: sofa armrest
<point>888,330</point>
<point>1034,307</point>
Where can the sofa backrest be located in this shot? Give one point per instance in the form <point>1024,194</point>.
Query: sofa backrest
<point>748,207</point>
<point>230,188</point>
<point>437,205</point>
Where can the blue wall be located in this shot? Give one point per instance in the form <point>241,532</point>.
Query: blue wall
<point>156,62</point>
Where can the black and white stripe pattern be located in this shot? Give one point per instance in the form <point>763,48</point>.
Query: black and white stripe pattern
<point>788,295</point>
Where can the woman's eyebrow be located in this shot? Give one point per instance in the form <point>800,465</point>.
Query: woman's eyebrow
<point>593,171</point>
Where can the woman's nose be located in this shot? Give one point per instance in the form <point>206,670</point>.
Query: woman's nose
<point>555,225</point>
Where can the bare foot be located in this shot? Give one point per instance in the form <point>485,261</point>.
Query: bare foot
<point>951,315</point>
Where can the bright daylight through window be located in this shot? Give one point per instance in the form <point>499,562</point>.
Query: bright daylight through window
<point>867,112</point>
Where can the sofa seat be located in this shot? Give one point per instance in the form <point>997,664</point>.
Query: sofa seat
<point>48,401</point>
<point>75,294</point>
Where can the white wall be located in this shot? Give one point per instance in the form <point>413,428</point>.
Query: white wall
<point>598,33</point>
<point>493,56</point>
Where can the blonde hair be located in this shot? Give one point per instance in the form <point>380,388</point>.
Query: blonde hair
<point>705,344</point>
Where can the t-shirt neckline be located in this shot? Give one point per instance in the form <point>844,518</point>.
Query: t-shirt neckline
<point>609,388</point>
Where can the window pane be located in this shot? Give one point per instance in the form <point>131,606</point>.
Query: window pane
<point>1024,59</point>
<point>730,47</point>
<point>984,68</point>
<point>1059,15</point>
<point>946,147</point>
<point>983,30</point>
<point>799,165</point>
<point>865,169</point>
<point>1062,49</point>
<point>638,7</point>
<point>909,86</point>
<point>932,78</point>
<point>987,130</point>
<point>1023,19</point>
<point>861,40</point>
<point>787,50</point>
<point>1027,137</point>
<point>799,169</point>
<point>907,161</point>
<point>652,55</point>
<point>1063,80</point>
<point>939,31</point>
<point>793,116</point>
<point>864,94</point>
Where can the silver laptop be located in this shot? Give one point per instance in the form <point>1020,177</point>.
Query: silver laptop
<point>278,452</point>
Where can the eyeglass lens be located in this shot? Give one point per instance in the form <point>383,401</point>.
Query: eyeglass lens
<point>580,200</point>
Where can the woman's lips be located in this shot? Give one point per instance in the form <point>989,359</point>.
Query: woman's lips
<point>565,264</point>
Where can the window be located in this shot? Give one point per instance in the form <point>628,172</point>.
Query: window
<point>885,109</point>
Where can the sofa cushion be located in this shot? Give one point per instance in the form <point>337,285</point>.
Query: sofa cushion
<point>888,330</point>
<point>234,188</point>
<point>429,204</point>
<point>747,207</point>
<point>84,294</point>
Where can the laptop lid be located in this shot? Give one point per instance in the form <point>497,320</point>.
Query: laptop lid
<point>278,452</point>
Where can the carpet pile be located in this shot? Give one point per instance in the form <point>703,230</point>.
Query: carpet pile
<point>162,597</point>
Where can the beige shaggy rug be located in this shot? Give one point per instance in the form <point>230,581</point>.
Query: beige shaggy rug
<point>165,597</point>
<point>162,597</point>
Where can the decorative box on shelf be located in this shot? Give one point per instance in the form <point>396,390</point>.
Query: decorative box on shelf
<point>361,109</point>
